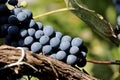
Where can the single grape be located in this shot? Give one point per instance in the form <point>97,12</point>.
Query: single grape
<point>58,35</point>
<point>36,47</point>
<point>61,55</point>
<point>39,34</point>
<point>6,42</point>
<point>15,44</point>
<point>66,38</point>
<point>84,48</point>
<point>3,20</point>
<point>22,16</point>
<point>81,62</point>
<point>4,11</point>
<point>16,10</point>
<point>21,42</point>
<point>4,29</point>
<point>118,36</point>
<point>74,50</point>
<point>83,53</point>
<point>13,2</point>
<point>54,42</point>
<point>116,2</point>
<point>47,49</point>
<point>48,30</point>
<point>32,24</point>
<point>53,55</point>
<point>117,8</point>
<point>65,45</point>
<point>13,30</point>
<point>23,33</point>
<point>28,12</point>
<point>118,20</point>
<point>3,1</point>
<point>9,38</point>
<point>71,59</point>
<point>28,40</point>
<point>31,31</point>
<point>44,40</point>
<point>76,42</point>
<point>13,20</point>
<point>40,25</point>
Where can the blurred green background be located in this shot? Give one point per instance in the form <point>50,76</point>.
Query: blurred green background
<point>69,24</point>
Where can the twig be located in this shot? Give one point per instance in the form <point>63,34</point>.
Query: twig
<point>52,12</point>
<point>116,62</point>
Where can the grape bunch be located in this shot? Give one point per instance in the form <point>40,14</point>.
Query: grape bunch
<point>21,30</point>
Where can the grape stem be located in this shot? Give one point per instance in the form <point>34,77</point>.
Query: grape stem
<point>52,12</point>
<point>116,62</point>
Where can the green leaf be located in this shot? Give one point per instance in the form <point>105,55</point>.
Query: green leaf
<point>95,21</point>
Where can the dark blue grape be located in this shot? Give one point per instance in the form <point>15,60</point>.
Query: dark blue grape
<point>7,42</point>
<point>74,50</point>
<point>44,40</point>
<point>3,20</point>
<point>58,35</point>
<point>16,10</point>
<point>3,1</point>
<point>13,30</point>
<point>47,49</point>
<point>117,2</point>
<point>65,45</point>
<point>84,48</point>
<point>81,62</point>
<point>28,40</point>
<point>36,47</point>
<point>39,34</point>
<point>54,42</point>
<point>23,33</point>
<point>117,5</point>
<point>22,17</point>
<point>4,11</point>
<point>117,8</point>
<point>13,2</point>
<point>40,25</point>
<point>53,55</point>
<point>76,42</point>
<point>4,29</point>
<point>15,44</point>
<point>66,38</point>
<point>61,55</point>
<point>9,38</point>
<point>48,30</point>
<point>21,42</point>
<point>29,13</point>
<point>13,20</point>
<point>31,31</point>
<point>71,59</point>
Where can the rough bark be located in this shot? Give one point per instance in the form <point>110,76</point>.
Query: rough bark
<point>47,68</point>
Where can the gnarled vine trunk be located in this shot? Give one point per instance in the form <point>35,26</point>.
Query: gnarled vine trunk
<point>40,66</point>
